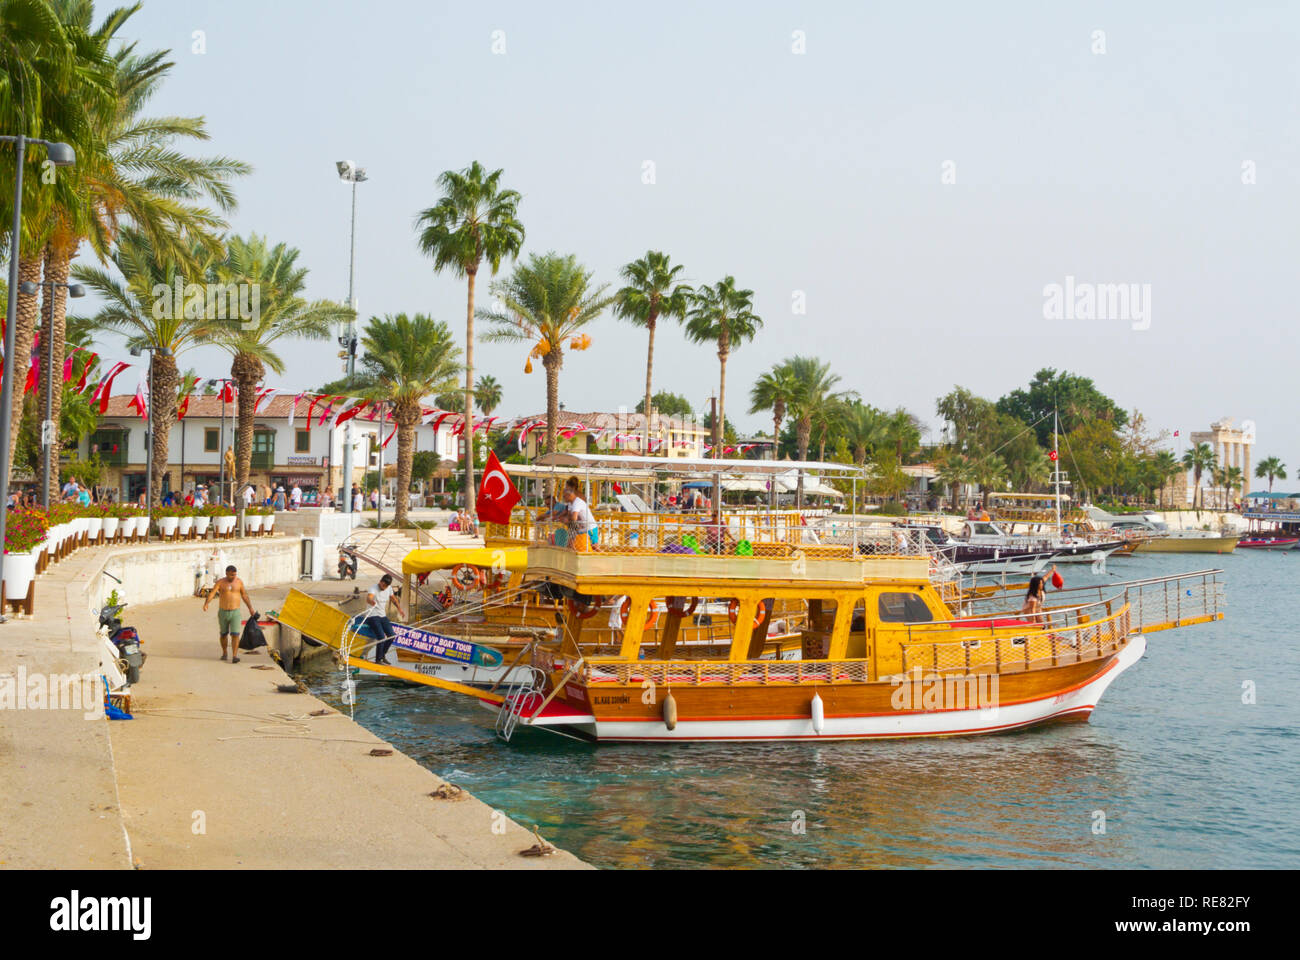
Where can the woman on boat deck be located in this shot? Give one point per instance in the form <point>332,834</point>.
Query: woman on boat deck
<point>1034,595</point>
<point>582,525</point>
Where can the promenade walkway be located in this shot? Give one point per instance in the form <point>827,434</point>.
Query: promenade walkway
<point>218,769</point>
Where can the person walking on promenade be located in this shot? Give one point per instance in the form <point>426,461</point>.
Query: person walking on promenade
<point>377,616</point>
<point>229,591</point>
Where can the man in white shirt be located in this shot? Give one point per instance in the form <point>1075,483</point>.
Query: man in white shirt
<point>295,497</point>
<point>377,615</point>
<point>249,494</point>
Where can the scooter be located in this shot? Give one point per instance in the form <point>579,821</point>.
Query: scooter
<point>347,561</point>
<point>126,639</point>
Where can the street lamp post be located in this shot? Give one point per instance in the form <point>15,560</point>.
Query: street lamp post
<point>61,155</point>
<point>349,172</point>
<point>49,433</point>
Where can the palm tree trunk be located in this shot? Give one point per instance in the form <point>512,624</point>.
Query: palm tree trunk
<point>247,371</point>
<point>468,433</point>
<point>408,415</point>
<point>26,313</point>
<point>649,369</point>
<point>803,435</point>
<point>721,418</point>
<point>551,363</point>
<point>57,263</point>
<point>162,406</point>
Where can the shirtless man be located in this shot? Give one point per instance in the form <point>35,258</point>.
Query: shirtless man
<point>230,590</point>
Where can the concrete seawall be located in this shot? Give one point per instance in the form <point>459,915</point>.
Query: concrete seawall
<point>218,768</point>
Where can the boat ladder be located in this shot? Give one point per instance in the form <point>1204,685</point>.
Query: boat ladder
<point>520,696</point>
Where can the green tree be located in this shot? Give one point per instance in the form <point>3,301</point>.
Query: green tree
<point>1076,398</point>
<point>815,397</point>
<point>128,309</point>
<point>488,392</point>
<point>1270,468</point>
<point>424,464</point>
<point>651,290</point>
<point>1201,460</point>
<point>724,315</point>
<point>475,220</point>
<point>412,357</point>
<point>547,302</point>
<point>1165,467</point>
<point>283,313</point>
<point>774,390</point>
<point>668,405</point>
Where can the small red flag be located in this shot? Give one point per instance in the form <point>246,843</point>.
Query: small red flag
<point>496,494</point>
<point>1052,455</point>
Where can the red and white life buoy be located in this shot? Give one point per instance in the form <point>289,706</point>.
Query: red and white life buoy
<point>733,613</point>
<point>466,577</point>
<point>651,614</point>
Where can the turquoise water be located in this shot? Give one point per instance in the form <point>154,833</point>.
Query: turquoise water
<point>1184,773</point>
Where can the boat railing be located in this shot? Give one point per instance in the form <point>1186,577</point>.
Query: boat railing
<point>1157,602</point>
<point>724,672</point>
<point>1010,649</point>
<point>751,537</point>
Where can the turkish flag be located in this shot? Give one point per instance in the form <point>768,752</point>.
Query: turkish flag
<point>496,494</point>
<point>1052,455</point>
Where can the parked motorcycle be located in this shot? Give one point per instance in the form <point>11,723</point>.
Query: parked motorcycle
<point>126,639</point>
<point>347,561</point>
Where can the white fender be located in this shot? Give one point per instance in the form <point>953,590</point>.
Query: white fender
<point>818,714</point>
<point>670,712</point>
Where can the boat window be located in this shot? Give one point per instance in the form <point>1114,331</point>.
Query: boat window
<point>987,530</point>
<point>903,608</point>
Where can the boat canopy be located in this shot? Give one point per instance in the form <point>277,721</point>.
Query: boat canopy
<point>426,561</point>
<point>699,466</point>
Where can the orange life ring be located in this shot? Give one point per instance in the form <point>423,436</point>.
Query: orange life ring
<point>679,606</point>
<point>466,577</point>
<point>733,613</point>
<point>651,614</point>
<point>584,612</point>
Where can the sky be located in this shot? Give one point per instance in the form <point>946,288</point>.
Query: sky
<point>897,183</point>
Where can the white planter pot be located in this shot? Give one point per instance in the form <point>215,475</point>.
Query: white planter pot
<point>110,526</point>
<point>79,525</point>
<point>167,525</point>
<point>94,525</point>
<point>20,570</point>
<point>201,525</point>
<point>226,523</point>
<point>254,522</point>
<point>268,522</point>
<point>126,527</point>
<point>186,525</point>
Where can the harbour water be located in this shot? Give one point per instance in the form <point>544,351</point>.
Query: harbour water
<point>1173,771</point>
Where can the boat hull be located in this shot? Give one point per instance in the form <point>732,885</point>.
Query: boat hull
<point>1074,702</point>
<point>1189,545</point>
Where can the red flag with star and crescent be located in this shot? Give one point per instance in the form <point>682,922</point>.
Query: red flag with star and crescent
<point>496,494</point>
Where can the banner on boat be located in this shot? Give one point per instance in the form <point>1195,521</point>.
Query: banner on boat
<point>446,648</point>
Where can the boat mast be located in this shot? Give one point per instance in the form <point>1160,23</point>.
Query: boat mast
<point>1056,448</point>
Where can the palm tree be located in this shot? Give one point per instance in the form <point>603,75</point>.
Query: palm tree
<point>54,80</point>
<point>129,169</point>
<point>547,302</point>
<point>863,428</point>
<point>488,392</point>
<point>473,221</point>
<point>1232,480</point>
<point>1199,459</point>
<point>955,471</point>
<point>1166,467</point>
<point>775,390</point>
<point>130,309</point>
<point>651,292</point>
<point>411,357</point>
<point>724,315</point>
<point>1271,468</point>
<point>904,433</point>
<point>815,396</point>
<point>282,312</point>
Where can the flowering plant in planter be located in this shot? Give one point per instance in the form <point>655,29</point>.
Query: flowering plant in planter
<point>256,511</point>
<point>62,513</point>
<point>25,530</point>
<point>172,511</point>
<point>216,510</point>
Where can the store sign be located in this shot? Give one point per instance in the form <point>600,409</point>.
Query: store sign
<point>301,461</point>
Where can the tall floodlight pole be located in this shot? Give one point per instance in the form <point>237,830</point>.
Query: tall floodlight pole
<point>61,155</point>
<point>349,172</point>
<point>49,434</point>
